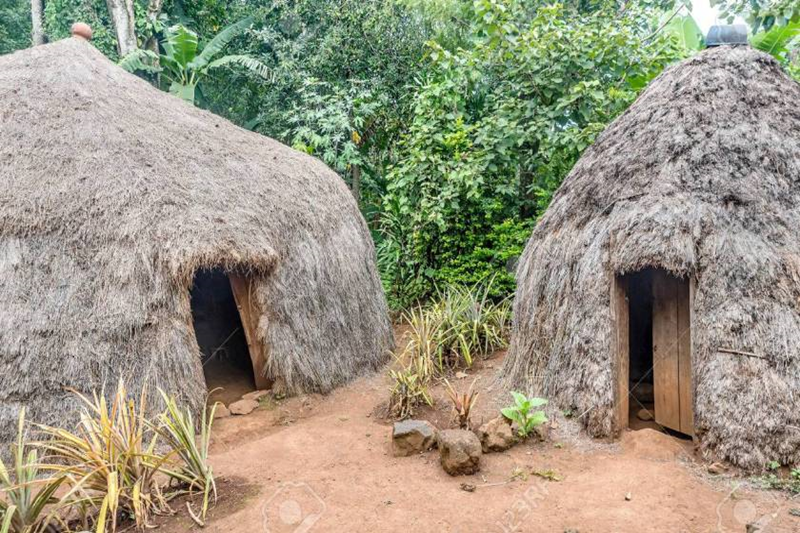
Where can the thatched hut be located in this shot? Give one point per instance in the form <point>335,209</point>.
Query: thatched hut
<point>669,260</point>
<point>141,237</point>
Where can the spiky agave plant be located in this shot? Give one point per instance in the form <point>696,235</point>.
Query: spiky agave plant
<point>462,404</point>
<point>110,461</point>
<point>177,428</point>
<point>28,503</point>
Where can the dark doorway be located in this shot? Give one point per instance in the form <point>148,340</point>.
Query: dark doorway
<point>640,340</point>
<point>652,310</point>
<point>221,336</point>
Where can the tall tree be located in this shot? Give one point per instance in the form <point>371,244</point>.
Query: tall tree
<point>37,22</point>
<point>122,18</point>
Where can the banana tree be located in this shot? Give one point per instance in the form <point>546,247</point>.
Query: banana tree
<point>183,64</point>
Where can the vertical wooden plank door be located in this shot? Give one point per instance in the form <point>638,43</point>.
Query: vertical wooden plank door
<point>672,364</point>
<point>248,312</point>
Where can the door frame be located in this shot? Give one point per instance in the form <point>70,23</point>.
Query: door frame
<point>620,356</point>
<point>249,314</point>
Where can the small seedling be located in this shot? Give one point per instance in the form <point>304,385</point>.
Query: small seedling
<point>462,404</point>
<point>523,413</point>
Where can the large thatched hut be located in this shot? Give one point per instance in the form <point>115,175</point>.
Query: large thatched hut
<point>669,260</point>
<point>141,238</point>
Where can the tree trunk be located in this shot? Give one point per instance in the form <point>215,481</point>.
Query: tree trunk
<point>37,22</point>
<point>122,17</point>
<point>356,185</point>
<point>153,11</point>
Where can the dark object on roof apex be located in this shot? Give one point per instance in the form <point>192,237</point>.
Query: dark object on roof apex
<point>728,34</point>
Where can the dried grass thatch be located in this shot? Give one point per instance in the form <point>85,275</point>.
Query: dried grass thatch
<point>701,177</point>
<point>113,194</point>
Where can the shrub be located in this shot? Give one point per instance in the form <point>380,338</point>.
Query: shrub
<point>23,509</point>
<point>523,413</point>
<point>111,461</point>
<point>410,388</point>
<point>177,428</point>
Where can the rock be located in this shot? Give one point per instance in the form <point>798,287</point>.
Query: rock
<point>628,496</point>
<point>221,411</point>
<point>496,435</point>
<point>255,395</point>
<point>717,469</point>
<point>571,530</point>
<point>644,414</point>
<point>461,375</point>
<point>459,451</point>
<point>243,407</point>
<point>412,436</point>
<point>754,528</point>
<point>468,487</point>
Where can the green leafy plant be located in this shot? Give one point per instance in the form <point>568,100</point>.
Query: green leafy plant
<point>27,499</point>
<point>176,426</point>
<point>111,461</point>
<point>462,404</point>
<point>410,389</point>
<point>473,325</point>
<point>524,413</point>
<point>183,64</point>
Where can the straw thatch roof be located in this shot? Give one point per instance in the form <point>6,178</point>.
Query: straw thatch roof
<point>701,177</point>
<point>112,195</point>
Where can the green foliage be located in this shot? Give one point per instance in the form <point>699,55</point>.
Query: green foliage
<point>773,480</point>
<point>458,326</point>
<point>470,323</point>
<point>24,508</point>
<point>524,414</point>
<point>15,25</point>
<point>410,389</point>
<point>783,43</point>
<point>120,463</point>
<point>59,15</point>
<point>761,14</point>
<point>176,427</point>
<point>497,125</point>
<point>184,65</point>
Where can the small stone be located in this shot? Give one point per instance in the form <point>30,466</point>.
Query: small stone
<point>794,511</point>
<point>628,497</point>
<point>459,451</point>
<point>644,415</point>
<point>571,530</point>
<point>461,375</point>
<point>496,435</point>
<point>412,436</point>
<point>468,487</point>
<point>717,469</point>
<point>754,528</point>
<point>255,395</point>
<point>243,407</point>
<point>221,411</point>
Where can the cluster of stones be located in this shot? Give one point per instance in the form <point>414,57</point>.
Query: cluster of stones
<point>460,450</point>
<point>246,405</point>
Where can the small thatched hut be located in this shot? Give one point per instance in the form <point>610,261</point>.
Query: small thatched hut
<point>141,237</point>
<point>669,260</point>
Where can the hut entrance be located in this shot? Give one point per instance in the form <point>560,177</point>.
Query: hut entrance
<point>224,319</point>
<point>652,313</point>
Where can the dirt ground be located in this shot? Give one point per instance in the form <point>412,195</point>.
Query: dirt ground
<point>324,463</point>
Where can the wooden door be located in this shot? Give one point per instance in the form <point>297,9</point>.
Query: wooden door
<point>672,358</point>
<point>249,314</point>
